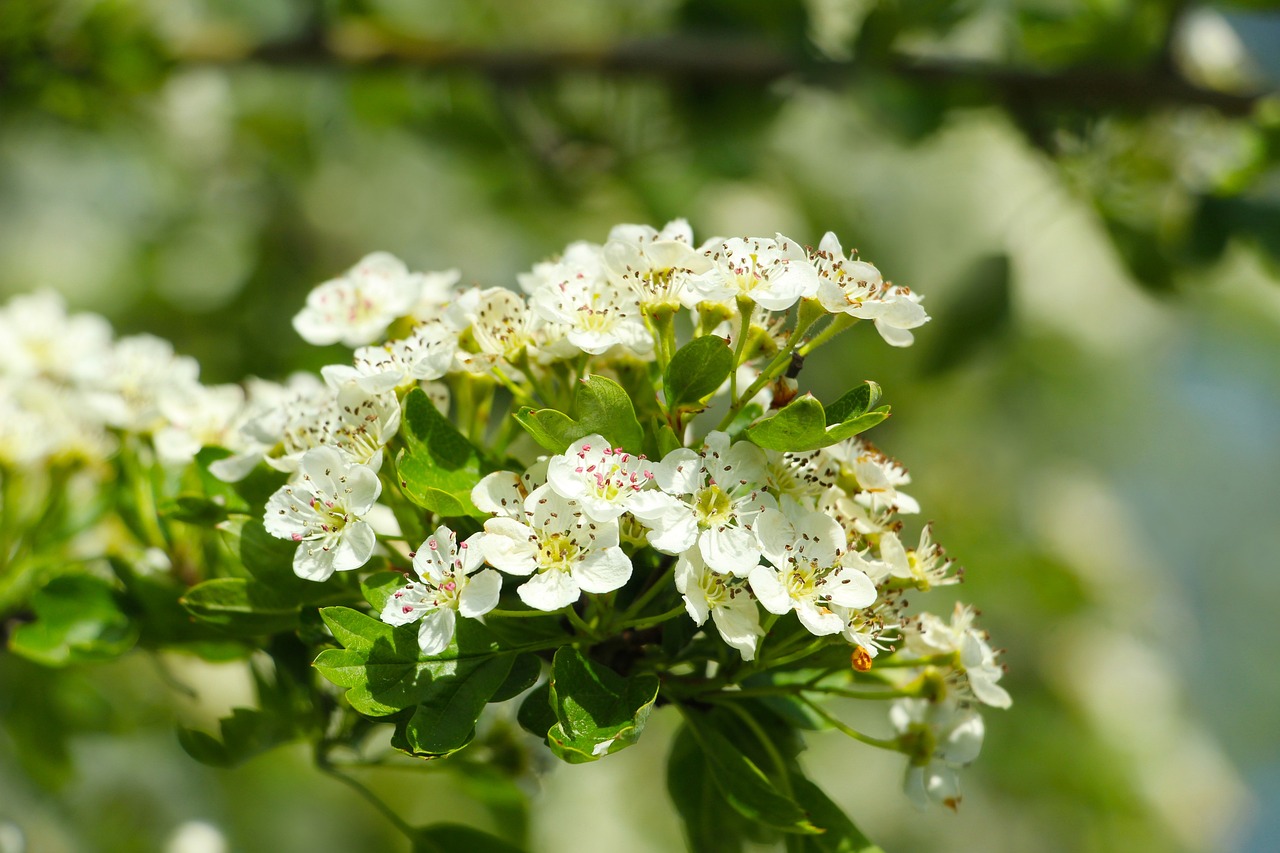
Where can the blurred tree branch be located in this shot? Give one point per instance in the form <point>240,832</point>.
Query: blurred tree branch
<point>746,62</point>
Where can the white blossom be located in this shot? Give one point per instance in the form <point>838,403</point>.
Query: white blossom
<point>725,599</point>
<point>204,416</point>
<point>39,338</point>
<point>561,547</point>
<point>593,314</point>
<point>603,479</point>
<point>323,510</point>
<point>708,499</point>
<point>448,586</point>
<point>357,308</point>
<point>977,659</point>
<point>655,266</point>
<point>955,733</point>
<point>426,354</point>
<point>923,565</point>
<point>878,476</point>
<point>774,274</point>
<point>127,387</point>
<point>806,573</point>
<point>854,287</point>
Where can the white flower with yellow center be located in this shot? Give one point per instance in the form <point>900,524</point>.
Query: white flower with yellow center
<point>774,274</point>
<point>655,266</point>
<point>204,416</point>
<point>878,476</point>
<point>501,326</point>
<point>357,308</point>
<point>977,659</point>
<point>940,738</point>
<point>448,586</point>
<point>709,500</point>
<point>847,285</point>
<point>323,510</point>
<point>725,599</point>
<point>426,354</point>
<point>603,479</point>
<point>807,573</point>
<point>592,313</point>
<point>560,546</point>
<point>923,565</point>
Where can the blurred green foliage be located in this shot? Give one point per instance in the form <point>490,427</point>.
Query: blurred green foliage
<point>1086,190</point>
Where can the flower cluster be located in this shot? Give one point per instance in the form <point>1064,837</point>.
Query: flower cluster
<point>616,448</point>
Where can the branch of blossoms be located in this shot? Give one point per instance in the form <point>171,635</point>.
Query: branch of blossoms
<point>609,514</point>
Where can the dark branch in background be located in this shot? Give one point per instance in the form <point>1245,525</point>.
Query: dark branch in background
<point>706,61</point>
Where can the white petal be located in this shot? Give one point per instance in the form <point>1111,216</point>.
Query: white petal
<point>356,547</point>
<point>768,587</point>
<point>480,595</point>
<point>507,546</point>
<point>436,631</point>
<point>363,487</point>
<point>819,620</point>
<point>550,591</point>
<point>729,550</point>
<point>679,473</point>
<point>311,562</point>
<point>774,533</point>
<point>739,625</point>
<point>499,493</point>
<point>604,571</point>
<point>849,587</point>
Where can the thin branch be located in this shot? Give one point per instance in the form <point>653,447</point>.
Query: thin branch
<point>682,59</point>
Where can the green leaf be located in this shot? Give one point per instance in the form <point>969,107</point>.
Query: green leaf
<point>604,407</point>
<point>800,425</point>
<point>77,620</point>
<point>383,667</point>
<point>742,783</point>
<point>840,835</point>
<point>285,713</point>
<point>445,721</point>
<point>457,838</point>
<point>804,425</point>
<point>536,716</point>
<point>667,440</point>
<point>853,404</point>
<point>598,712</point>
<point>242,606</point>
<point>853,426</point>
<point>269,559</point>
<point>438,467</point>
<point>380,586</point>
<point>696,370</point>
<point>710,824</point>
<point>551,428</point>
<point>195,509</point>
<point>525,670</point>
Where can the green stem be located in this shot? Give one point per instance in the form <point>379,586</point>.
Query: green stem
<point>521,395</point>
<point>932,660</point>
<point>740,345</point>
<point>651,620</point>
<point>325,766</point>
<point>891,745</point>
<point>780,363</point>
<point>582,627</point>
<point>647,596</point>
<point>837,325</point>
<point>524,614</point>
<point>796,655</point>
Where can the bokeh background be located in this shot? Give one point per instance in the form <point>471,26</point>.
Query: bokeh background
<point>1087,191</point>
